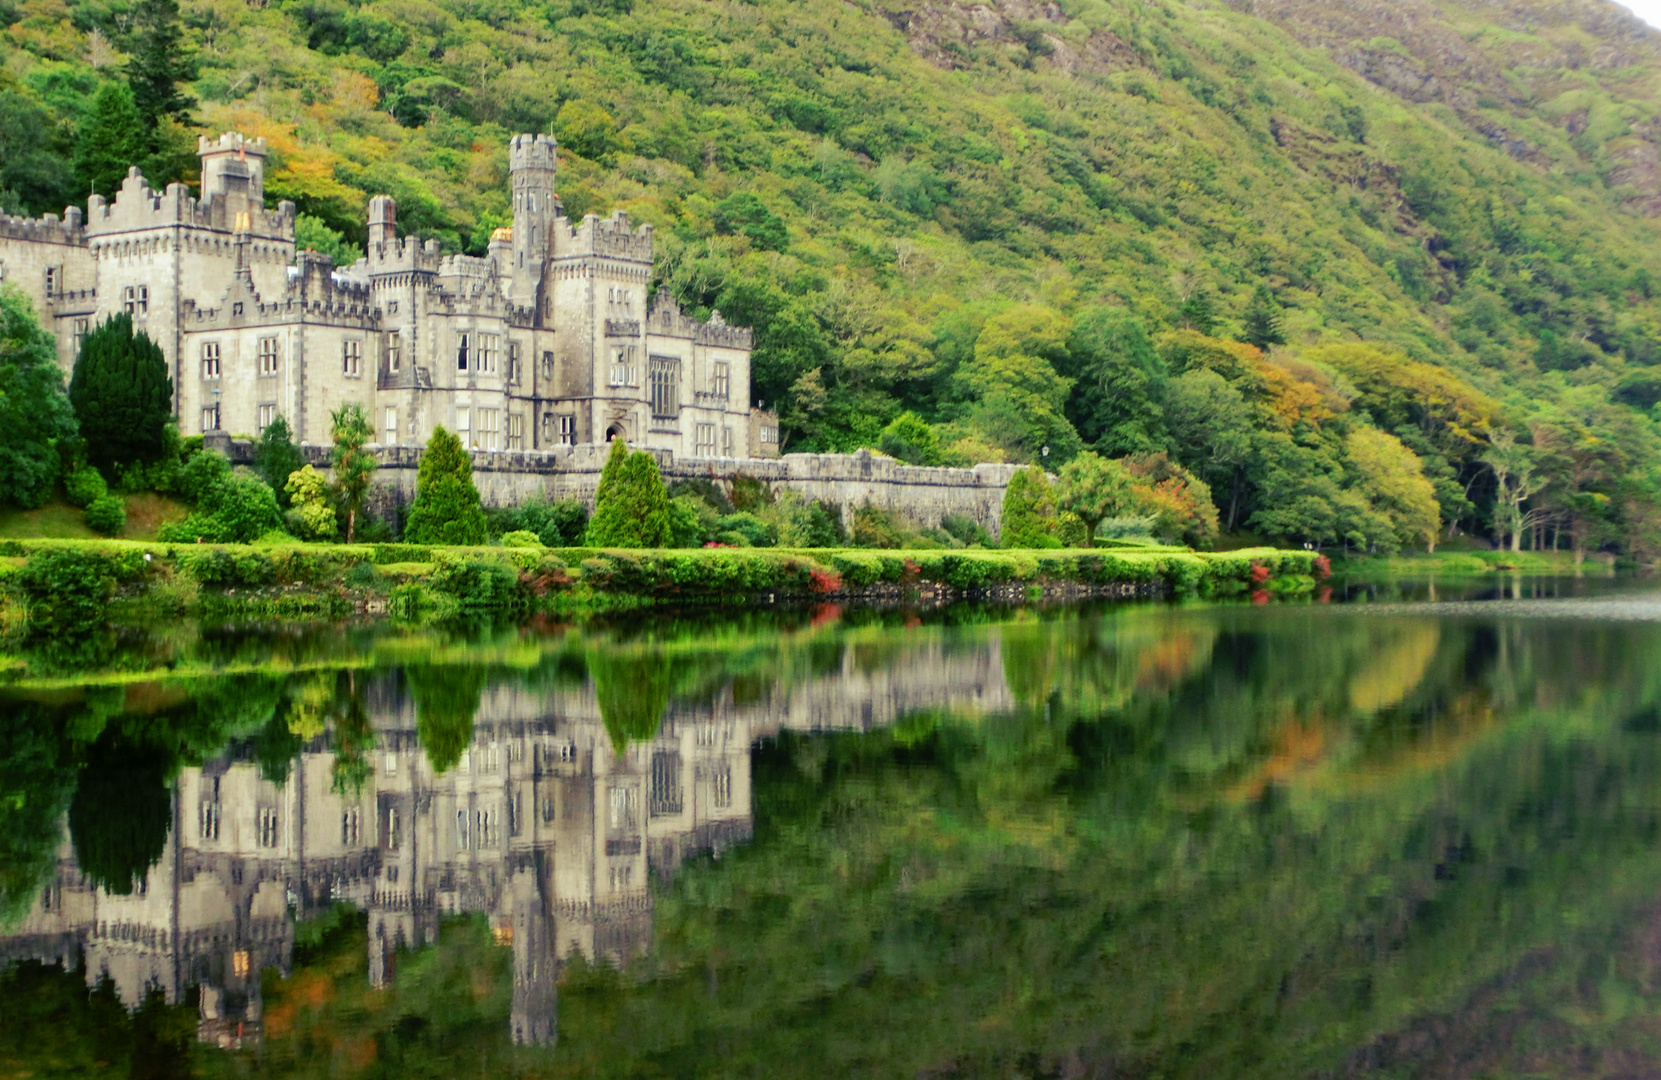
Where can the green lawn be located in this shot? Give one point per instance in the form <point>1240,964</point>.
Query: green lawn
<point>145,514</point>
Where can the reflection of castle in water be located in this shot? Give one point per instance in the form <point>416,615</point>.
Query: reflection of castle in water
<point>542,825</point>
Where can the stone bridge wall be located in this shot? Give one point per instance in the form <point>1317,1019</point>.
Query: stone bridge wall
<point>916,494</point>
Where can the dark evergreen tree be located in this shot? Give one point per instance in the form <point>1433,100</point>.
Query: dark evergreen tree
<point>446,509</point>
<point>111,138</point>
<point>160,62</point>
<point>631,504</point>
<point>1121,380</point>
<point>1198,312</point>
<point>120,814</point>
<point>446,700</point>
<point>122,395</point>
<point>35,417</point>
<point>276,456</point>
<point>1263,320</point>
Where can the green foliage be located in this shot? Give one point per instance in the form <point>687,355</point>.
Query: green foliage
<point>692,522</point>
<point>244,509</point>
<point>111,138</point>
<point>522,538</point>
<point>1092,488</point>
<point>120,814</point>
<point>66,591</point>
<point>875,528</point>
<point>312,233</point>
<point>446,509</point>
<point>311,516</point>
<point>122,395</point>
<point>482,589</point>
<point>744,529</point>
<point>911,439</point>
<point>85,485</point>
<point>354,465</point>
<point>1262,324</point>
<point>199,478</point>
<point>160,61</point>
<point>276,458</point>
<point>633,691</point>
<point>555,524</point>
<point>106,514</point>
<point>1029,511</point>
<point>631,504</point>
<point>744,214</point>
<point>446,700</point>
<point>35,417</point>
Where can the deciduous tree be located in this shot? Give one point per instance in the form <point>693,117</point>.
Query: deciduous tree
<point>35,416</point>
<point>354,465</point>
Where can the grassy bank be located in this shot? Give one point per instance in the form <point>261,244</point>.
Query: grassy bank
<point>420,583</point>
<point>1473,563</point>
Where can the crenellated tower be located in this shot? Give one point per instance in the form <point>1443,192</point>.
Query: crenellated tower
<point>532,163</point>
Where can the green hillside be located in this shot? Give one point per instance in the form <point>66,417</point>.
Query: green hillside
<point>1030,224</point>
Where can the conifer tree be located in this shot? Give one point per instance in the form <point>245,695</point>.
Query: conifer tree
<point>35,417</point>
<point>109,140</point>
<point>122,395</point>
<point>1263,320</point>
<point>159,64</point>
<point>354,465</point>
<point>446,509</point>
<point>1029,516</point>
<point>277,458</point>
<point>631,504</point>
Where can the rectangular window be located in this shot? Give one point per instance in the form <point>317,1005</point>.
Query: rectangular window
<point>80,335</point>
<point>210,359</point>
<point>351,358</point>
<point>462,343</point>
<point>513,362</point>
<point>136,300</point>
<point>391,426</point>
<point>723,380</point>
<point>568,431</point>
<point>705,445</point>
<point>392,837</point>
<point>51,280</point>
<point>547,365</point>
<point>624,807</point>
<point>723,789</point>
<point>207,821</point>
<point>489,345</point>
<point>726,442</point>
<point>464,425</point>
<point>350,827</point>
<point>487,431</point>
<point>268,826</point>
<point>516,431</point>
<point>622,367</point>
<point>267,414</point>
<point>461,828</point>
<point>143,299</point>
<point>210,419</point>
<point>394,352</point>
<point>665,386</point>
<point>268,356</point>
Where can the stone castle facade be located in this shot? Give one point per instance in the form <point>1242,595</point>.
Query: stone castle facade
<point>551,340</point>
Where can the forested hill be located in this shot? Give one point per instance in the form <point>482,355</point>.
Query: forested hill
<point>1014,224</point>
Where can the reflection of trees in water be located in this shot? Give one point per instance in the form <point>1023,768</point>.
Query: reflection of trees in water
<point>633,690</point>
<point>36,779</point>
<point>446,700</point>
<point>120,814</point>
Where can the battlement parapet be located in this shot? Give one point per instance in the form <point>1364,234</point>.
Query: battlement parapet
<point>404,255</point>
<point>49,229</point>
<point>665,318</point>
<point>532,152</point>
<point>138,206</point>
<point>616,237</point>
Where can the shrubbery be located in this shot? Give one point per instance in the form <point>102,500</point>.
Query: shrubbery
<point>65,590</point>
<point>446,509</point>
<point>84,486</point>
<point>106,514</point>
<point>631,504</point>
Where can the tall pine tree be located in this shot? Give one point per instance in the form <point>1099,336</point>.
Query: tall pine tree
<point>159,64</point>
<point>631,505</point>
<point>122,395</point>
<point>446,509</point>
<point>1263,320</point>
<point>110,139</point>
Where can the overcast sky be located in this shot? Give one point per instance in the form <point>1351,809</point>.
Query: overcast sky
<point>1648,10</point>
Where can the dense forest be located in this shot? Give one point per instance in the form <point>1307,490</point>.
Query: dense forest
<point>1316,253</point>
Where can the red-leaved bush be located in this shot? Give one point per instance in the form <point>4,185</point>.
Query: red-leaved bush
<point>1323,568</point>
<point>825,581</point>
<point>1260,573</point>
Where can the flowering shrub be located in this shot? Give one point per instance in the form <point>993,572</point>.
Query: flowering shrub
<point>825,581</point>
<point>1260,573</point>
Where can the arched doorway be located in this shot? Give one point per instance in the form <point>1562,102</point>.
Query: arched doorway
<point>615,431</point>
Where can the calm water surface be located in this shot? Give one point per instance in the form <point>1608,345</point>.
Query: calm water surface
<point>1414,831</point>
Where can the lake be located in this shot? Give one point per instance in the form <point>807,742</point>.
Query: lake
<point>1410,830</point>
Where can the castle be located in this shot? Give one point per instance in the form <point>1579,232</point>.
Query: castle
<point>550,340</point>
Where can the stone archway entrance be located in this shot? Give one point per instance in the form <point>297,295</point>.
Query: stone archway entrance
<point>615,431</point>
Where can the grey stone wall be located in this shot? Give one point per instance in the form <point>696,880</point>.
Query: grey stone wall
<point>916,494</point>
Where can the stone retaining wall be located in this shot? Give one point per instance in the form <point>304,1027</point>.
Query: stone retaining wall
<point>917,494</point>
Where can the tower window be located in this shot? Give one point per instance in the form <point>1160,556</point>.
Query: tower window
<point>352,359</point>
<point>568,431</point>
<point>268,356</point>
<point>723,380</point>
<point>462,342</point>
<point>391,426</point>
<point>210,359</point>
<point>394,352</point>
<point>80,335</point>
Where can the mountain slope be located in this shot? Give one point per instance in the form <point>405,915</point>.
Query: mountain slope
<point>869,184</point>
